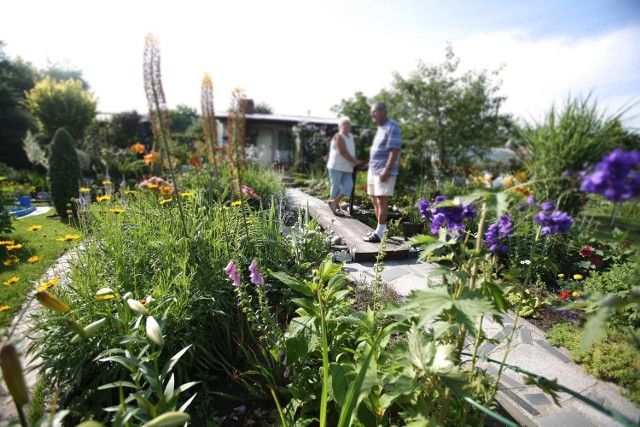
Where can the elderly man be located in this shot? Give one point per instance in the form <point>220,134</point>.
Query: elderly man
<point>383,167</point>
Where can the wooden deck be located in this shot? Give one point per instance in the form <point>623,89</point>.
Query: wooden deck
<point>348,228</point>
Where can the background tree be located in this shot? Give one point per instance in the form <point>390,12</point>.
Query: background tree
<point>64,173</point>
<point>459,113</point>
<point>263,108</point>
<point>182,117</point>
<point>61,72</point>
<point>16,77</point>
<point>56,104</point>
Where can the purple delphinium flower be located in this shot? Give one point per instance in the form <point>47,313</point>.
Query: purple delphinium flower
<point>616,177</point>
<point>522,208</point>
<point>254,275</point>
<point>230,269</point>
<point>547,206</point>
<point>423,206</point>
<point>557,222</point>
<point>531,200</point>
<point>497,233</point>
<point>452,217</point>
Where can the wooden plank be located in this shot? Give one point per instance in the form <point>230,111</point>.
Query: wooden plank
<point>348,228</point>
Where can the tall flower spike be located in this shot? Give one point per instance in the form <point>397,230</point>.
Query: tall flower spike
<point>230,269</point>
<point>255,276</point>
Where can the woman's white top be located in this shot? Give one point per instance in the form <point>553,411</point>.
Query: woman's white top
<point>336,160</point>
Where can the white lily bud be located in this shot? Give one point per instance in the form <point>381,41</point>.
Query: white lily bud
<point>137,306</point>
<point>153,331</point>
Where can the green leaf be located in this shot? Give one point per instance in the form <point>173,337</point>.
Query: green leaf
<point>172,362</point>
<point>340,376</point>
<point>423,305</point>
<point>117,384</point>
<point>468,308</point>
<point>168,390</point>
<point>292,283</point>
<point>307,307</point>
<point>595,328</point>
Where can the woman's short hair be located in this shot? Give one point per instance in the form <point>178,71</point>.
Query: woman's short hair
<point>344,120</point>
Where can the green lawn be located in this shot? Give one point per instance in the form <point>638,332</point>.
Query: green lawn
<point>41,243</point>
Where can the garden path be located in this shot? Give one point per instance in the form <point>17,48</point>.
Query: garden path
<point>530,351</point>
<point>20,326</point>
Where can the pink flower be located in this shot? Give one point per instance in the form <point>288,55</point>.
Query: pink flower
<point>586,252</point>
<point>230,269</point>
<point>254,275</point>
<point>249,192</point>
<point>596,260</point>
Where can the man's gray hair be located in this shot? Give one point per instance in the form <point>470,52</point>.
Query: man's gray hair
<point>379,106</point>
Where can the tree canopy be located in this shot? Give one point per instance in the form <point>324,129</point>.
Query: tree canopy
<point>457,113</point>
<point>61,104</point>
<point>16,77</point>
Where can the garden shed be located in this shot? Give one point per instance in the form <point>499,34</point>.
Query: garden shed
<point>270,137</point>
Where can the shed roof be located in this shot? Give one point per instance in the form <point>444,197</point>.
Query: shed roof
<point>281,118</point>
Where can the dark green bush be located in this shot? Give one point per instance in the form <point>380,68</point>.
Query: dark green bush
<point>619,280</point>
<point>64,172</point>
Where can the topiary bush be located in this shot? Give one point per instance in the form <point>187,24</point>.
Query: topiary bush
<point>64,173</point>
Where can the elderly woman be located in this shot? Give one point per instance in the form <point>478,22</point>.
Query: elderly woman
<point>340,165</point>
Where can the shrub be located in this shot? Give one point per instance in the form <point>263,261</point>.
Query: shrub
<point>564,141</point>
<point>64,172</point>
<point>621,369</point>
<point>619,280</point>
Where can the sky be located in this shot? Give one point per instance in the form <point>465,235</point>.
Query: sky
<point>302,57</point>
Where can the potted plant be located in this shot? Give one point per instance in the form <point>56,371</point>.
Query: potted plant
<point>412,222</point>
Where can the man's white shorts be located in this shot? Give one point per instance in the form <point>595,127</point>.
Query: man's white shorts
<point>375,187</point>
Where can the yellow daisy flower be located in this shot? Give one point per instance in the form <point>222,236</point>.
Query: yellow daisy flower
<point>105,297</point>
<point>236,203</point>
<point>185,194</point>
<point>4,308</point>
<point>106,182</point>
<point>12,281</point>
<point>7,243</point>
<point>578,276</point>
<point>12,247</point>
<point>47,285</point>
<point>68,238</point>
<point>11,260</point>
<point>165,201</point>
<point>165,191</point>
<point>249,222</point>
<point>34,258</point>
<point>116,211</point>
<point>34,228</point>
<point>575,294</point>
<point>152,186</point>
<point>103,198</point>
<point>561,275</point>
<point>85,190</point>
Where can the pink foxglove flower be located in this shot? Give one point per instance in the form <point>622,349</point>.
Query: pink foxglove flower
<point>230,269</point>
<point>254,275</point>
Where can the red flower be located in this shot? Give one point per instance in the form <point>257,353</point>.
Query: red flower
<point>596,260</point>
<point>626,243</point>
<point>586,252</point>
<point>564,295</point>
